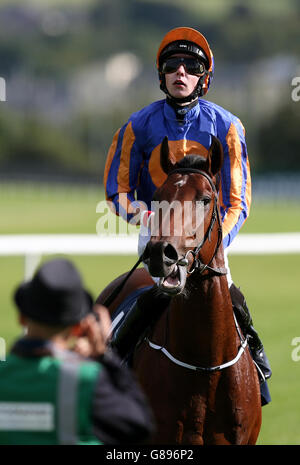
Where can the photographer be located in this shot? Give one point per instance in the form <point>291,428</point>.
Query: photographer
<point>50,394</point>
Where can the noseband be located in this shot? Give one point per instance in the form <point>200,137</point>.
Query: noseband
<point>197,265</point>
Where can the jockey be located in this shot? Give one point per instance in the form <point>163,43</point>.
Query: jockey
<point>185,67</point>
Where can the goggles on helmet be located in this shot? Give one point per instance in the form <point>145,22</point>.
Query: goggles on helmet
<point>191,65</point>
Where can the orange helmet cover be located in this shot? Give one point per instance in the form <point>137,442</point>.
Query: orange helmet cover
<point>186,33</point>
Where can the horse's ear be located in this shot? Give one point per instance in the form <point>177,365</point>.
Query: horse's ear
<point>215,156</point>
<point>167,159</point>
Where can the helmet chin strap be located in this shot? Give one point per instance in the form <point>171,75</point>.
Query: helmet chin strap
<point>183,100</point>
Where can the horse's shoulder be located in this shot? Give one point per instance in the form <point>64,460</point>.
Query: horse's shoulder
<point>140,278</point>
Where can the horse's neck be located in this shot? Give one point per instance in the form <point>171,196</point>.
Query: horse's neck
<point>201,325</point>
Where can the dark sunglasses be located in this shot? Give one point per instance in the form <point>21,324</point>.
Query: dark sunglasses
<point>192,65</point>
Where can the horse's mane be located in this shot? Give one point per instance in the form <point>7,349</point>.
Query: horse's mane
<point>197,162</point>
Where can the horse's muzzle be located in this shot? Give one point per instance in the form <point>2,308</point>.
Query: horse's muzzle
<point>163,261</point>
<point>160,258</point>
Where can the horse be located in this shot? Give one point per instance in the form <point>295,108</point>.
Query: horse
<point>193,364</point>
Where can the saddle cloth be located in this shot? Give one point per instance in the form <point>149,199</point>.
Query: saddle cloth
<point>122,310</point>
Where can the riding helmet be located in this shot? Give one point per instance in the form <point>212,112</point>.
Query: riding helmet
<point>189,41</point>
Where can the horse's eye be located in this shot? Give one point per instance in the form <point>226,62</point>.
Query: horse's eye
<point>203,200</point>
<point>206,200</point>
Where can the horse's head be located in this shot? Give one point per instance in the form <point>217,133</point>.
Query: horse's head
<point>186,233</point>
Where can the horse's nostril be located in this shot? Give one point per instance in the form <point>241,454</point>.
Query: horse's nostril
<point>170,254</point>
<point>160,257</point>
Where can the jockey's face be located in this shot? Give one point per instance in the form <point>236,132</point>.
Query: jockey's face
<point>181,84</point>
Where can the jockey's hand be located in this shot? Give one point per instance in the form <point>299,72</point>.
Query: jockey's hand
<point>147,217</point>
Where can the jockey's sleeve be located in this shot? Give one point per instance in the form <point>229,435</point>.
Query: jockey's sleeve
<point>235,196</point>
<point>122,168</point>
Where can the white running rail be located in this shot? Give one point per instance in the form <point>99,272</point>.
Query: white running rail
<point>32,247</point>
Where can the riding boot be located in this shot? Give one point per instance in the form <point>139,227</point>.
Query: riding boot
<point>245,322</point>
<point>144,312</point>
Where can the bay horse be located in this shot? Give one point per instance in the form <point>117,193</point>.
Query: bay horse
<point>194,364</point>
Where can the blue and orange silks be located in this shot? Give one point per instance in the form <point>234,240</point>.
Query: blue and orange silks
<point>133,162</point>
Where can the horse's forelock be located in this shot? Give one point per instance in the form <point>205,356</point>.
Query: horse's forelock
<point>197,162</point>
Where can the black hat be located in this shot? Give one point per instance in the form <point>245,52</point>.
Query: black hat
<point>55,296</point>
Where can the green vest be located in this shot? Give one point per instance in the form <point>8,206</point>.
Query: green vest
<point>46,400</point>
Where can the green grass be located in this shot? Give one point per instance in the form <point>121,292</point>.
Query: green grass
<point>48,209</point>
<point>270,218</point>
<point>38,209</point>
<point>270,283</point>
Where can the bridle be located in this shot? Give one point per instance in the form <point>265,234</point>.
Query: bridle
<point>197,264</point>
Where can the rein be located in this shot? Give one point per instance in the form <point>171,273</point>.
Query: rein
<point>118,289</point>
